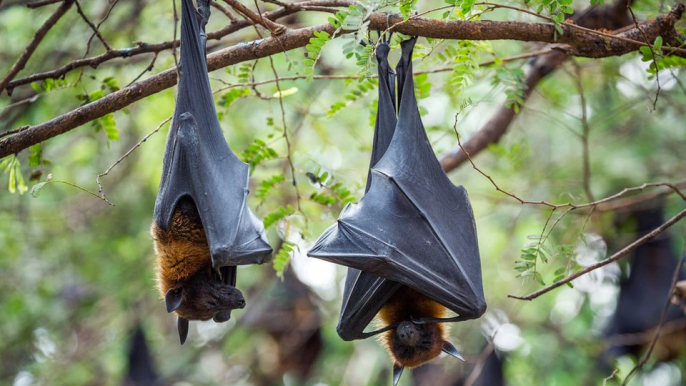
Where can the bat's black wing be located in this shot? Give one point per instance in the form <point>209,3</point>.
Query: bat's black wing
<point>363,290</point>
<point>413,226</point>
<point>198,162</point>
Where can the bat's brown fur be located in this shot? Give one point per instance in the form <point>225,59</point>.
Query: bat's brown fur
<point>407,304</point>
<point>181,250</point>
<point>184,262</point>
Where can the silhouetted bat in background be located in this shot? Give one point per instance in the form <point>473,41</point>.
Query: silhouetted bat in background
<point>202,227</point>
<point>286,309</point>
<point>410,242</point>
<point>643,293</point>
<point>141,368</point>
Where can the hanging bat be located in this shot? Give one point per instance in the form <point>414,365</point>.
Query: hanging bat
<point>643,293</point>
<point>141,367</point>
<point>202,228</point>
<point>410,242</point>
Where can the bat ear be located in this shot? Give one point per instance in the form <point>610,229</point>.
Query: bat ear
<point>173,299</point>
<point>449,349</point>
<point>182,325</point>
<point>397,372</point>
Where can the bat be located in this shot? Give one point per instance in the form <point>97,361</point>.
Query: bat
<point>410,243</point>
<point>287,311</point>
<point>202,227</point>
<point>643,293</point>
<point>141,367</point>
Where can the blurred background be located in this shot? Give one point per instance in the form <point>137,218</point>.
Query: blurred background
<point>77,299</point>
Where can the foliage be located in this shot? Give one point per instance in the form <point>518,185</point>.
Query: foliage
<point>11,166</point>
<point>282,257</point>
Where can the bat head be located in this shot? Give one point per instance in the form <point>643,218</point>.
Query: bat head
<point>201,298</point>
<point>414,344</point>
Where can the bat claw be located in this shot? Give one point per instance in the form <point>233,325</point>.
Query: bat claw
<point>417,321</point>
<point>397,372</point>
<point>449,349</point>
<point>182,325</point>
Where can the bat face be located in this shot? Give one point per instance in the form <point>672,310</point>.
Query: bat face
<point>202,298</point>
<point>187,281</point>
<point>412,344</point>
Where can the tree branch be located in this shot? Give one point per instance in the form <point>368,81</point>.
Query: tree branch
<point>274,28</point>
<point>35,41</point>
<point>96,32</point>
<point>37,4</point>
<point>628,249</point>
<point>611,16</point>
<point>156,48</point>
<point>291,39</point>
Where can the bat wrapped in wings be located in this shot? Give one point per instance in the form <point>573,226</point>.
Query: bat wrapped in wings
<point>202,226</point>
<point>410,243</point>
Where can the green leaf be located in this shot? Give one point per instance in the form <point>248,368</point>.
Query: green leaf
<point>313,48</point>
<point>285,93</point>
<point>267,185</point>
<point>334,22</point>
<point>278,214</point>
<point>36,189</point>
<point>35,154</point>
<point>283,257</point>
<point>233,95</point>
<point>657,46</point>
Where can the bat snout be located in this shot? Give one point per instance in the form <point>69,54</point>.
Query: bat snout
<point>407,333</point>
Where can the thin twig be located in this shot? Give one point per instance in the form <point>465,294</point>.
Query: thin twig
<point>631,202</point>
<point>652,52</point>
<point>586,129</point>
<point>35,41</point>
<point>15,131</point>
<point>345,77</point>
<point>149,68</point>
<point>479,366</point>
<point>96,32</point>
<point>30,99</point>
<point>628,249</point>
<point>587,30</point>
<point>285,127</point>
<point>647,354</point>
<point>646,336</point>
<point>136,146</point>
<point>296,38</point>
<point>37,4</point>
<point>568,204</point>
<point>90,39</point>
<point>614,372</point>
<point>273,27</point>
<point>174,42</point>
<point>145,48</point>
<point>224,10</point>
